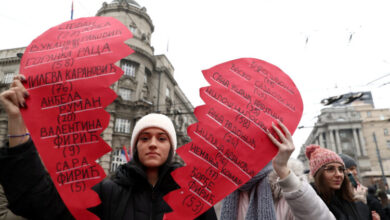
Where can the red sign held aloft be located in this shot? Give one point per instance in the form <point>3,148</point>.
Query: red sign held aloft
<point>69,69</point>
<point>229,143</point>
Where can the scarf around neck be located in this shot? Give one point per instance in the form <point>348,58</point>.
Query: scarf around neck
<point>261,204</point>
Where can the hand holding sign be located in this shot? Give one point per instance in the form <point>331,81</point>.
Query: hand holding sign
<point>229,143</point>
<point>69,69</point>
<point>286,148</point>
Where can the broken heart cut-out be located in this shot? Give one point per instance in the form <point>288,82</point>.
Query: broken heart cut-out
<point>229,143</point>
<point>69,69</point>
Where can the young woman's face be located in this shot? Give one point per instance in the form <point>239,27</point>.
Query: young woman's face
<point>353,170</point>
<point>333,175</point>
<point>153,147</point>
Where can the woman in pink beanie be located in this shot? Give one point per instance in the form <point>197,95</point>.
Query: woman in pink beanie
<point>331,184</point>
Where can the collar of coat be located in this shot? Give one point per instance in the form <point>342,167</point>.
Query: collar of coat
<point>132,173</point>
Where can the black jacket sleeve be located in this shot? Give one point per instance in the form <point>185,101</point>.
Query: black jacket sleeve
<point>208,215</point>
<point>28,187</point>
<point>375,205</point>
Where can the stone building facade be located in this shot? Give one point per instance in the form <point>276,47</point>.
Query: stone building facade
<point>376,122</point>
<point>148,84</point>
<point>349,129</point>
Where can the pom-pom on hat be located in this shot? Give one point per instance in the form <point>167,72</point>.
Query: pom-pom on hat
<point>156,121</point>
<point>319,157</point>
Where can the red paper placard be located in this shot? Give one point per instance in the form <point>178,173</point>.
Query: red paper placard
<point>229,143</point>
<point>69,69</point>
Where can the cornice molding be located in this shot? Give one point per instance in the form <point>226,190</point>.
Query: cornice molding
<point>115,7</point>
<point>10,60</point>
<point>144,53</point>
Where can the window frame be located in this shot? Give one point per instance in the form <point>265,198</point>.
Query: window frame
<point>129,68</point>
<point>8,77</point>
<point>167,92</point>
<point>122,125</point>
<point>126,94</point>
<point>388,144</point>
<point>116,160</point>
<point>133,29</point>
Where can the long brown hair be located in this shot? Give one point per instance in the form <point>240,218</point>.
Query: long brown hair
<point>383,196</point>
<point>345,191</point>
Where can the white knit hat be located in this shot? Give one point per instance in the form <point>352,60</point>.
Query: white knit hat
<point>157,121</point>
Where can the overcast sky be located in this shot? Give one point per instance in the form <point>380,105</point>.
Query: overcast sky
<point>327,47</point>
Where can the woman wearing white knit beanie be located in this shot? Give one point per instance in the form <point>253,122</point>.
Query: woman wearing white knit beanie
<point>146,178</point>
<point>157,121</point>
<point>134,192</point>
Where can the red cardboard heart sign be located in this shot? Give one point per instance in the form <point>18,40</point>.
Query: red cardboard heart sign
<point>229,143</point>
<point>69,69</point>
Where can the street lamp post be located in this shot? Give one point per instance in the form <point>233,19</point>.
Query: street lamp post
<point>379,159</point>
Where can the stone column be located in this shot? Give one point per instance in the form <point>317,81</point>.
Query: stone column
<point>331,141</point>
<point>356,141</point>
<point>338,142</point>
<point>321,138</point>
<point>362,143</point>
<point>327,140</point>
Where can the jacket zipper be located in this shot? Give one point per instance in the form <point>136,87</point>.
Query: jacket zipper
<point>151,213</point>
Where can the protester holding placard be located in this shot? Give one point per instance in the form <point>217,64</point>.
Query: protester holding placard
<point>360,191</point>
<point>302,200</point>
<point>332,184</point>
<point>135,191</point>
<point>282,209</point>
<point>141,184</point>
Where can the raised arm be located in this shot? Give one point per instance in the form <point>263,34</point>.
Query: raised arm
<point>12,100</point>
<point>28,187</point>
<point>286,148</point>
<point>299,195</point>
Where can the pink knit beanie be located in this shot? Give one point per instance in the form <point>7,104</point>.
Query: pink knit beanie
<point>157,121</point>
<point>319,157</point>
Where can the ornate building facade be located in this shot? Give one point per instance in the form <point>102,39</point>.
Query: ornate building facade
<point>349,129</point>
<point>147,85</point>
